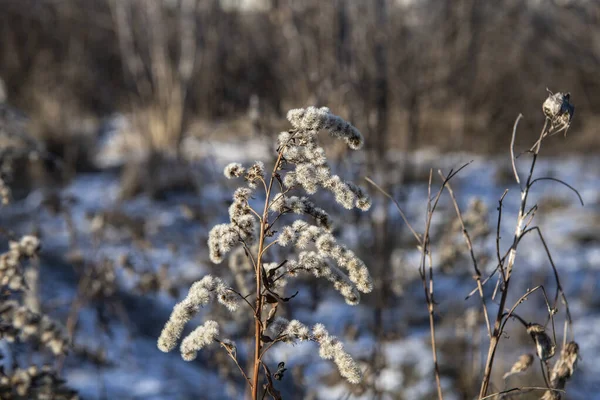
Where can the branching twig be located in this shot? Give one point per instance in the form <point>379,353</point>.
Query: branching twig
<point>507,270</point>
<point>467,237</point>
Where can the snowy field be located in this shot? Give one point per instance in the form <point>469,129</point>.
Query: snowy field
<point>136,369</point>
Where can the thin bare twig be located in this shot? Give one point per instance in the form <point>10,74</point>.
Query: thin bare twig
<point>428,286</point>
<point>467,237</point>
<point>522,389</point>
<point>512,149</point>
<point>559,288</point>
<point>389,196</point>
<point>548,178</point>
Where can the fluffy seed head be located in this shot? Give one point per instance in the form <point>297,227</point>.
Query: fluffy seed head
<point>200,337</point>
<point>234,170</point>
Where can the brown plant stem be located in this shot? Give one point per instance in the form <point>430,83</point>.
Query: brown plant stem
<point>258,326</point>
<point>507,270</point>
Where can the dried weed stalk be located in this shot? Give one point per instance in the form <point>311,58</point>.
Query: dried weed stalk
<point>558,112</point>
<point>300,164</point>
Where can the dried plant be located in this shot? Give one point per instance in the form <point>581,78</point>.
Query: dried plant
<point>21,323</point>
<point>562,371</point>
<point>300,164</point>
<point>522,365</point>
<point>558,112</point>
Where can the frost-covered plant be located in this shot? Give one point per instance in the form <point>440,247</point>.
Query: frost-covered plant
<point>300,169</point>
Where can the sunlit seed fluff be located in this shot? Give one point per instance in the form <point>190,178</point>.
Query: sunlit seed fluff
<point>229,299</point>
<point>320,268</point>
<point>279,203</point>
<point>311,118</point>
<point>234,170</point>
<point>306,176</point>
<point>363,201</point>
<point>289,180</point>
<point>286,236</point>
<point>296,330</point>
<point>306,235</point>
<point>242,195</point>
<point>221,240</point>
<point>331,348</point>
<point>200,294</point>
<point>284,138</point>
<point>199,338</point>
<point>172,330</point>
<point>323,174</point>
<point>294,154</point>
<point>316,156</point>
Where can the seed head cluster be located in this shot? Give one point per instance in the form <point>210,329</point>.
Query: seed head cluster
<point>301,235</point>
<point>34,383</point>
<point>200,337</point>
<point>241,228</point>
<point>200,294</point>
<point>320,267</point>
<point>302,206</point>
<point>315,119</point>
<point>301,164</point>
<point>563,370</point>
<point>311,171</point>
<point>330,348</point>
<point>26,325</point>
<point>11,274</point>
<point>559,110</point>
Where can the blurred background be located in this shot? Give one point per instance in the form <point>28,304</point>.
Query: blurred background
<point>117,117</point>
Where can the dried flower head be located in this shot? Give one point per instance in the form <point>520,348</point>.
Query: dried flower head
<point>234,170</point>
<point>544,347</point>
<point>315,119</point>
<point>20,322</point>
<point>565,366</point>
<point>200,337</point>
<point>200,294</point>
<point>34,383</point>
<point>559,110</point>
<point>255,174</point>
<point>331,348</point>
<point>522,364</point>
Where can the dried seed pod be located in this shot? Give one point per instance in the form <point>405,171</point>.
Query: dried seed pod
<point>544,347</point>
<point>559,110</point>
<point>551,395</point>
<point>522,364</point>
<point>565,366</point>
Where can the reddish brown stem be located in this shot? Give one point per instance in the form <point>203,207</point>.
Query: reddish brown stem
<point>258,327</point>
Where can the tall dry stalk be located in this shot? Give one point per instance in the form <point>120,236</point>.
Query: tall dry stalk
<point>558,112</point>
<point>300,164</point>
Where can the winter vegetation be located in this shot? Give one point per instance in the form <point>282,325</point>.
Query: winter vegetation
<point>280,200</point>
